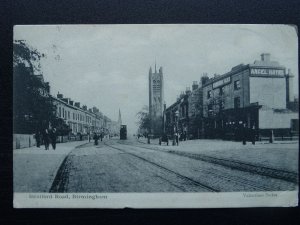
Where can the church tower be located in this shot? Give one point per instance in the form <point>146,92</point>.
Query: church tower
<point>156,98</point>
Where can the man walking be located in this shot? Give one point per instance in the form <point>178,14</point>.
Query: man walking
<point>38,138</point>
<point>53,138</point>
<point>46,138</point>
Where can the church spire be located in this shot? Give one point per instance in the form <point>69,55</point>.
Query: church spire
<point>155,65</point>
<point>120,119</point>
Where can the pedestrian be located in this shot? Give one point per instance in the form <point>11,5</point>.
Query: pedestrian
<point>271,136</point>
<point>253,135</point>
<point>101,136</point>
<point>95,139</point>
<point>244,133</point>
<point>53,138</point>
<point>177,138</point>
<point>38,138</point>
<point>46,138</point>
<point>89,137</point>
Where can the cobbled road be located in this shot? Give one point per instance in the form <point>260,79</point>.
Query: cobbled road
<point>119,166</point>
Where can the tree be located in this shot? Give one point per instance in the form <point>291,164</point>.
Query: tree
<point>32,105</point>
<point>61,127</point>
<point>144,120</point>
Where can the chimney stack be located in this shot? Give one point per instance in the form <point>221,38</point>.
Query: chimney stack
<point>204,79</point>
<point>289,86</point>
<point>195,85</point>
<point>59,96</point>
<point>65,100</point>
<point>265,57</point>
<point>77,104</point>
<point>95,109</point>
<point>187,90</point>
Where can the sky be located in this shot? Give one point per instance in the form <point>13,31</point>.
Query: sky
<point>107,66</point>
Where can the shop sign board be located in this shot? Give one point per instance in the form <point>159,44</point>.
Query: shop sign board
<point>221,82</point>
<point>271,72</point>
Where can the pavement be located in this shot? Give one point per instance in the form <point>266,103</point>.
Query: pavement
<point>278,155</point>
<point>35,168</point>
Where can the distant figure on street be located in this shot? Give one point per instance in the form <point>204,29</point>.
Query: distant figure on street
<point>177,138</point>
<point>101,136</point>
<point>253,135</point>
<point>89,137</point>
<point>96,138</point>
<point>53,138</point>
<point>46,138</point>
<point>244,134</point>
<point>38,138</point>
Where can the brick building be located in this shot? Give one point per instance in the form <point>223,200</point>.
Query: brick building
<point>185,115</point>
<point>254,96</point>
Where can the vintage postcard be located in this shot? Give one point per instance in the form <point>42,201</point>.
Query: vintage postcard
<point>155,116</point>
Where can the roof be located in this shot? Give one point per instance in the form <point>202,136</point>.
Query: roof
<point>241,67</point>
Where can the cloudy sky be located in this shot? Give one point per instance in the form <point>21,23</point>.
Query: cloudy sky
<point>107,65</point>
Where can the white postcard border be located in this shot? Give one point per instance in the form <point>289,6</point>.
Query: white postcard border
<point>156,200</point>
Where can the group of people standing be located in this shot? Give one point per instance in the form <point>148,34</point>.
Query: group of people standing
<point>96,137</point>
<point>47,136</point>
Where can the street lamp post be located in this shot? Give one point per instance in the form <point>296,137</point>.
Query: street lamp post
<point>176,129</point>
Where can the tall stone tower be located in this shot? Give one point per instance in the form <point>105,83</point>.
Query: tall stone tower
<point>156,99</point>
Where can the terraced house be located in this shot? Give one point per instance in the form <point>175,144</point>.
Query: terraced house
<point>80,119</point>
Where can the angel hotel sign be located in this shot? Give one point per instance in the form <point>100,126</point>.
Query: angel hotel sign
<point>272,72</point>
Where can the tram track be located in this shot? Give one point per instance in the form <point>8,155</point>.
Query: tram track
<point>185,178</point>
<point>241,181</point>
<point>230,177</point>
<point>220,177</point>
<point>234,164</point>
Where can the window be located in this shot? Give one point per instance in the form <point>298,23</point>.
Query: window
<point>209,94</point>
<point>222,90</point>
<point>222,104</point>
<point>73,116</point>
<point>59,111</point>
<point>68,114</point>
<point>237,102</point>
<point>237,85</point>
<point>210,109</point>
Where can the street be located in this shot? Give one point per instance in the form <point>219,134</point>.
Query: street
<point>131,166</point>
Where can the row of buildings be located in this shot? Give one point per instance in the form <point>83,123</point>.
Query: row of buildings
<point>82,120</point>
<point>255,96</point>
